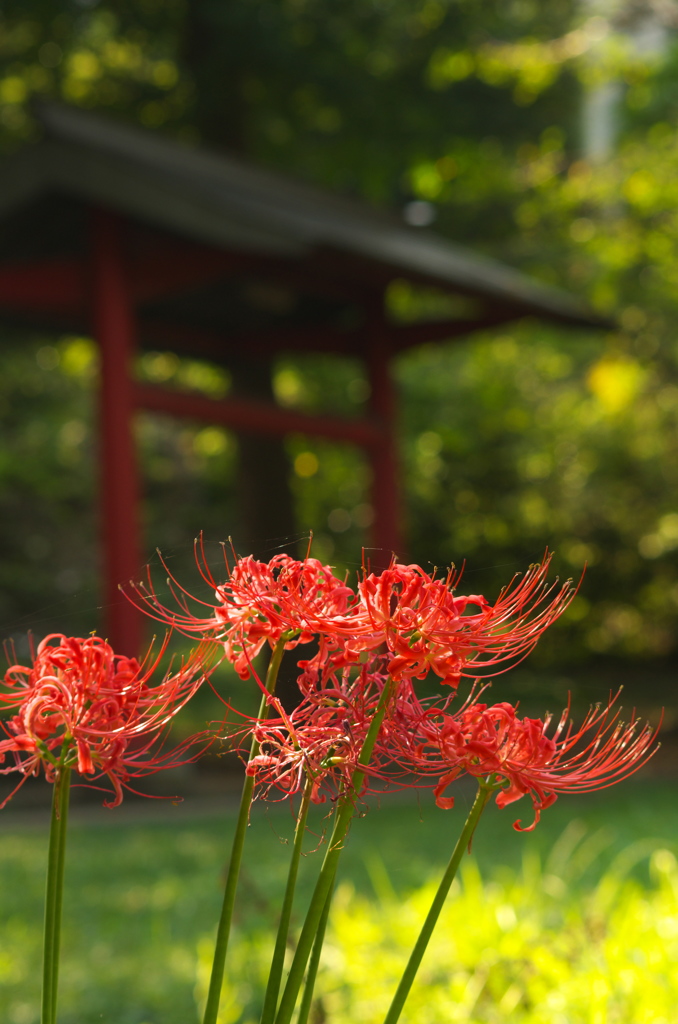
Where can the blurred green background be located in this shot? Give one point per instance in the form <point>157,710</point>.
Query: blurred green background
<point>542,134</point>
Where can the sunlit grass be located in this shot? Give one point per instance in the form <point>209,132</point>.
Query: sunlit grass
<point>143,898</point>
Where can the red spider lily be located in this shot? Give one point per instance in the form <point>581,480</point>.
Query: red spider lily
<point>314,743</point>
<point>320,740</point>
<point>264,601</point>
<point>100,706</point>
<point>428,628</point>
<point>495,744</point>
<point>260,602</point>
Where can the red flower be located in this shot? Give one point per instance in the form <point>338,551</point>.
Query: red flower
<point>321,739</point>
<point>262,601</point>
<point>315,744</point>
<point>99,706</point>
<point>427,627</point>
<point>518,754</point>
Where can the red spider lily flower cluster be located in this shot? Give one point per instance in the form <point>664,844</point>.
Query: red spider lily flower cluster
<point>417,618</point>
<point>401,625</point>
<point>80,699</point>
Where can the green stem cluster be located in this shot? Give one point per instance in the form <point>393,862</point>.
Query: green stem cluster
<point>233,874</point>
<point>314,962</point>
<point>278,961</point>
<point>325,883</point>
<point>279,1009</point>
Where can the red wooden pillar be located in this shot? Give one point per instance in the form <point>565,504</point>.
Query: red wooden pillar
<point>114,329</point>
<point>386,530</point>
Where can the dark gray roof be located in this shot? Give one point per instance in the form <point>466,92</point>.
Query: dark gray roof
<point>230,205</point>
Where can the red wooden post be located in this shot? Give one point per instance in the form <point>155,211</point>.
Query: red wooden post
<point>114,329</point>
<point>386,530</point>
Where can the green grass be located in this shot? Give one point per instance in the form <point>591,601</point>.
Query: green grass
<point>141,899</point>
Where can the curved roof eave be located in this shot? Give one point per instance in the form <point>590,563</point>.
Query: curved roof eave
<point>228,203</point>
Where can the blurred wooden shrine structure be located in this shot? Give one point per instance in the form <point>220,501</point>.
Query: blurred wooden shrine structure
<point>147,245</point>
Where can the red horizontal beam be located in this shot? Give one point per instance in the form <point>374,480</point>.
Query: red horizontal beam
<point>255,417</point>
<point>51,285</point>
<point>176,268</point>
<point>60,286</point>
<point>310,338</point>
<point>200,341</point>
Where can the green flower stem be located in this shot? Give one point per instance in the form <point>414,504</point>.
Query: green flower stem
<point>54,892</point>
<point>224,928</point>
<point>328,871</point>
<point>482,796</point>
<point>278,961</point>
<point>313,963</point>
